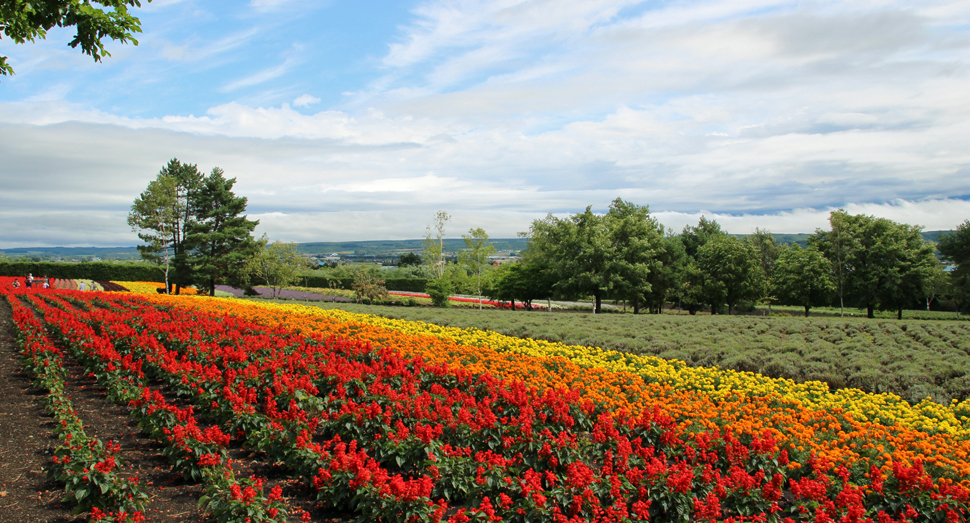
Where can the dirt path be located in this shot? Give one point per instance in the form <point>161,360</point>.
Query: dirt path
<point>27,441</point>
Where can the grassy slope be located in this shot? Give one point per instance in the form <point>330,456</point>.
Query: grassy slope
<point>912,358</point>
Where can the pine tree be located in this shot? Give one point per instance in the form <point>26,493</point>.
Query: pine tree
<point>221,238</point>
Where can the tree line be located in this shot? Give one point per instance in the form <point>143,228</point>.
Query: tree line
<point>626,255</point>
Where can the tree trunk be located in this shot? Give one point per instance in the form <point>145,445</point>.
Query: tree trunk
<point>899,314</point>
<point>168,289</point>
<point>513,304</point>
<point>870,312</point>
<point>806,310</point>
<point>598,305</point>
<point>636,305</point>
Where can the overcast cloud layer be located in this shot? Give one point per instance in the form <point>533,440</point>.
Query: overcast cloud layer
<point>354,122</point>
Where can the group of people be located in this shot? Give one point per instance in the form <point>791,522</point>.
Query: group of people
<point>45,283</point>
<point>30,281</point>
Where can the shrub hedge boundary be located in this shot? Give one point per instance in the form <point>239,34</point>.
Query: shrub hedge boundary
<point>102,271</point>
<point>98,271</point>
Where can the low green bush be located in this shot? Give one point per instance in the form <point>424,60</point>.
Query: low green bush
<point>97,271</point>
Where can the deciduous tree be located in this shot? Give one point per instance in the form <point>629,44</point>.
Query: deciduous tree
<point>955,248</point>
<point>637,241</point>
<point>733,271</point>
<point>409,259</point>
<point>877,263</point>
<point>768,251</point>
<point>25,21</point>
<point>154,216</point>
<point>475,257</point>
<point>524,281</point>
<point>695,237</point>
<point>368,287</point>
<point>802,277</point>
<point>579,252</point>
<point>279,264</point>
<point>668,275</point>
<point>434,244</point>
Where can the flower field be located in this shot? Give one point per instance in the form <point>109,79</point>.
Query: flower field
<point>466,300</point>
<point>391,420</point>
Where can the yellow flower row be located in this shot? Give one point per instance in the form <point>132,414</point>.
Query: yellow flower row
<point>151,287</point>
<point>883,408</point>
<point>844,427</point>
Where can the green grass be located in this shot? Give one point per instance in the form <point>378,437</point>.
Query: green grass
<point>912,358</point>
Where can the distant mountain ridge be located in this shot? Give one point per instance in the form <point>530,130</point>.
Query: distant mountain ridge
<point>365,247</point>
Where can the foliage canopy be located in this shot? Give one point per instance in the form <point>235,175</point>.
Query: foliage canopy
<point>25,21</point>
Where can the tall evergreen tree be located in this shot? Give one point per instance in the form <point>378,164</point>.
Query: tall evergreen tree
<point>221,237</point>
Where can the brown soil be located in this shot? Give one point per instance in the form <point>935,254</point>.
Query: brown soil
<point>27,441</point>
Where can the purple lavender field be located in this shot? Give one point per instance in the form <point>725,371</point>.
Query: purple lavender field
<point>266,292</point>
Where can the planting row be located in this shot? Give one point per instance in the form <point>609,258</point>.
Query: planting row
<point>400,439</point>
<point>846,427</point>
<point>88,468</point>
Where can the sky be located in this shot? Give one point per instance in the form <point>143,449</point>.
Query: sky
<point>346,120</point>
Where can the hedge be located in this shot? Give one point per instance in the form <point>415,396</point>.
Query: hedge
<point>98,271</point>
<point>101,271</point>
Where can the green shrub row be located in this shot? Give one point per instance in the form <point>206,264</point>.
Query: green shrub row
<point>99,271</point>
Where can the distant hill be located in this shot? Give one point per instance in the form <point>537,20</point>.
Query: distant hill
<point>75,253</point>
<point>388,247</point>
<point>371,247</point>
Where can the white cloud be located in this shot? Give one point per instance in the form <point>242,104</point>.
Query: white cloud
<point>267,5</point>
<point>260,77</point>
<point>305,101</point>
<point>197,49</point>
<point>508,109</point>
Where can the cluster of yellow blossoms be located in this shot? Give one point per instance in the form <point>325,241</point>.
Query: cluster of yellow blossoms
<point>843,426</point>
<point>150,287</point>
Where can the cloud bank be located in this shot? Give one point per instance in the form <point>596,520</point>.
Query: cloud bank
<point>756,113</point>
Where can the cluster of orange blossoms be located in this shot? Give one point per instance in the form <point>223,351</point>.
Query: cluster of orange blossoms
<point>849,428</point>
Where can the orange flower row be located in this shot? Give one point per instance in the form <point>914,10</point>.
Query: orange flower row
<point>833,435</point>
